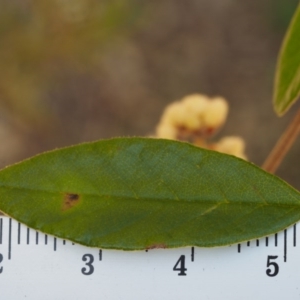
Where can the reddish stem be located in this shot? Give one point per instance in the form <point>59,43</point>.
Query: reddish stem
<point>283,145</point>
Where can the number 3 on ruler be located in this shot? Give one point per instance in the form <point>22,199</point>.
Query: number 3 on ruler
<point>90,269</point>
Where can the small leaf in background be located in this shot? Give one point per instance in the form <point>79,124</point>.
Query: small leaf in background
<point>139,193</point>
<point>287,81</point>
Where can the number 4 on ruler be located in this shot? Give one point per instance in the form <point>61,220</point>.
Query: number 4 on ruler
<point>180,266</point>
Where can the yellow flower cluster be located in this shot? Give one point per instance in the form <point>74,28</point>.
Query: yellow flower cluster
<point>193,114</point>
<point>197,117</point>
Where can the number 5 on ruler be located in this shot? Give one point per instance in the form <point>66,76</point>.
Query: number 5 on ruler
<point>274,265</point>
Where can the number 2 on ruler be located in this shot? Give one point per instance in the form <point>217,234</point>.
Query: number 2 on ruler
<point>1,259</point>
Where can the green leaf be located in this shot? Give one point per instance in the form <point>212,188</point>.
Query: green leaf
<point>287,79</point>
<point>138,193</point>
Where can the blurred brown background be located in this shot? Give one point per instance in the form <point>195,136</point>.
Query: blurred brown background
<point>81,70</point>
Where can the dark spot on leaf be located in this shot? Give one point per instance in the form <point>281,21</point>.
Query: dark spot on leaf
<point>70,200</point>
<point>156,246</point>
<point>73,197</point>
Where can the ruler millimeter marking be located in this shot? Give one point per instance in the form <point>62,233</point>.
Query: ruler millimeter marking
<point>26,254</point>
<point>28,231</point>
<point>294,228</point>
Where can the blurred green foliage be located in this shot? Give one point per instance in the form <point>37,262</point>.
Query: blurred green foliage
<point>281,13</point>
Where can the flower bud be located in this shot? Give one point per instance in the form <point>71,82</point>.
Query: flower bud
<point>166,131</point>
<point>174,114</point>
<point>233,145</point>
<point>215,113</point>
<point>196,103</point>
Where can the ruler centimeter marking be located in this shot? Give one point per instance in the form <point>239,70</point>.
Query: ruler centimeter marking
<point>37,239</point>
<point>285,243</point>
<point>19,234</point>
<point>9,239</point>
<point>1,222</point>
<point>193,254</point>
<point>28,236</point>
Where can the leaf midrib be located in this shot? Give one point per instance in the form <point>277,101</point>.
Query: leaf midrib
<point>141,198</point>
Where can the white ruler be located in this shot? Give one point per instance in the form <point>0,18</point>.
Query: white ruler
<point>36,266</point>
